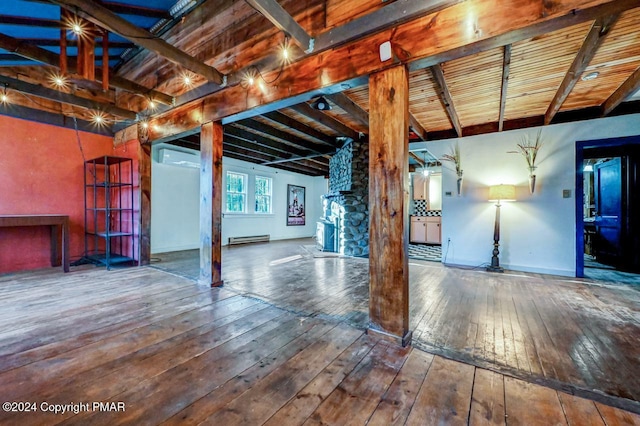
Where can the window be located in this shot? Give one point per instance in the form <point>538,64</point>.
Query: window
<point>236,192</point>
<point>263,194</point>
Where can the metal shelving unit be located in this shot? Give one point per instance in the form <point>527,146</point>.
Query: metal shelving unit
<point>109,215</point>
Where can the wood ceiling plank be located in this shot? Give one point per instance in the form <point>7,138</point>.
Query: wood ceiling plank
<point>103,17</point>
<point>597,34</point>
<point>445,97</point>
<point>424,40</point>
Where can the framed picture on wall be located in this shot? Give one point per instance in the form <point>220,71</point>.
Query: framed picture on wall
<point>295,205</point>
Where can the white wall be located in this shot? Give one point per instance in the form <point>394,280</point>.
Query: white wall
<point>175,205</point>
<point>537,231</point>
<point>240,225</point>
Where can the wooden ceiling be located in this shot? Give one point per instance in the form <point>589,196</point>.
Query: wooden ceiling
<point>526,76</point>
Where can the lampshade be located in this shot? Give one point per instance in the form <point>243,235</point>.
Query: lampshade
<point>502,193</point>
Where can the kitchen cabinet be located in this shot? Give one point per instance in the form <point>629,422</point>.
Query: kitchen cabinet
<point>425,229</point>
<point>420,186</point>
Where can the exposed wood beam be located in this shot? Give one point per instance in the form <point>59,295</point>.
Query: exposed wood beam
<point>59,120</point>
<point>631,85</point>
<point>241,143</point>
<point>429,40</point>
<point>65,98</point>
<point>308,157</point>
<point>103,17</point>
<point>280,135</point>
<point>144,191</point>
<point>261,158</point>
<point>324,119</point>
<point>285,120</point>
<point>445,97</point>
<point>286,167</point>
<point>506,65</point>
<point>284,22</point>
<point>16,57</point>
<point>398,12</point>
<point>49,58</point>
<point>352,108</point>
<point>130,9</point>
<point>266,142</point>
<point>126,9</point>
<point>50,42</point>
<point>419,160</point>
<point>592,42</point>
<point>31,22</point>
<point>417,127</point>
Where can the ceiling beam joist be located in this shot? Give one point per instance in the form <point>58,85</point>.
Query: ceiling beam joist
<point>279,134</point>
<point>30,22</point>
<point>445,97</point>
<point>103,17</point>
<point>592,42</point>
<point>65,98</point>
<point>352,108</point>
<point>285,120</point>
<point>417,128</point>
<point>265,141</point>
<point>49,58</point>
<point>308,157</point>
<point>322,118</point>
<point>427,40</point>
<point>284,22</point>
<point>506,66</point>
<point>419,160</point>
<point>631,85</point>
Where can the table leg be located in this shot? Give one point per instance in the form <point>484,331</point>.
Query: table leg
<point>65,246</point>
<point>55,230</point>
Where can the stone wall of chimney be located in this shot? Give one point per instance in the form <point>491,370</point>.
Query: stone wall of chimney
<point>349,197</point>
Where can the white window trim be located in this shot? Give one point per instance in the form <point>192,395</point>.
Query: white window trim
<point>246,193</point>
<point>270,212</point>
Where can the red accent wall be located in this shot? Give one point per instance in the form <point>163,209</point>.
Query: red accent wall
<point>41,172</point>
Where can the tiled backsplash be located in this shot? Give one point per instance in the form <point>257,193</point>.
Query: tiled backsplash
<point>420,209</point>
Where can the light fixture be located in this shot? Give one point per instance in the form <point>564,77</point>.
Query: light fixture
<point>499,193</point>
<point>4,98</point>
<point>590,76</point>
<point>58,80</point>
<point>145,124</point>
<point>152,104</point>
<point>187,81</point>
<point>425,172</point>
<point>321,104</point>
<point>284,50</point>
<point>588,168</point>
<point>99,119</point>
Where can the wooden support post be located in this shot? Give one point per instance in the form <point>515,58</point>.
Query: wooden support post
<point>105,60</point>
<point>144,172</point>
<point>389,203</point>
<point>63,42</point>
<point>211,204</point>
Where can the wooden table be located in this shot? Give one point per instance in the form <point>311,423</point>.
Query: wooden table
<point>56,222</point>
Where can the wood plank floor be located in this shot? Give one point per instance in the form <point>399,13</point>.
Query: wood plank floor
<point>580,336</point>
<point>156,348</point>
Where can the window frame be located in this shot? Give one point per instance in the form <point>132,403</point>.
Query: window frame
<point>256,195</point>
<point>245,182</point>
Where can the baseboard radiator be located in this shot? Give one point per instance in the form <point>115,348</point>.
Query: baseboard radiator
<point>251,239</point>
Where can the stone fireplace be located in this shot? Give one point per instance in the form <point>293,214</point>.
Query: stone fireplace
<point>347,203</point>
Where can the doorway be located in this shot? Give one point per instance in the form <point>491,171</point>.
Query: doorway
<point>608,209</point>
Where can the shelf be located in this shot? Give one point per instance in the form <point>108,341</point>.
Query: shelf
<point>108,185</point>
<point>104,209</point>
<point>111,234</point>
<point>113,258</point>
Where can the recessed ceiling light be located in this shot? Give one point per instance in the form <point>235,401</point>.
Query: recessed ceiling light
<point>590,76</point>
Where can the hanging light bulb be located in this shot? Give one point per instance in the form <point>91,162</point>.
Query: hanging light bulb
<point>152,104</point>
<point>4,98</point>
<point>425,172</point>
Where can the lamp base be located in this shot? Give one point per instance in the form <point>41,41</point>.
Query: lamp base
<point>495,268</point>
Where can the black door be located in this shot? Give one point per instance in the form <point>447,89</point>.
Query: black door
<point>608,215</point>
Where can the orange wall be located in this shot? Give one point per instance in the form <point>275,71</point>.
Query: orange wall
<point>41,172</point>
